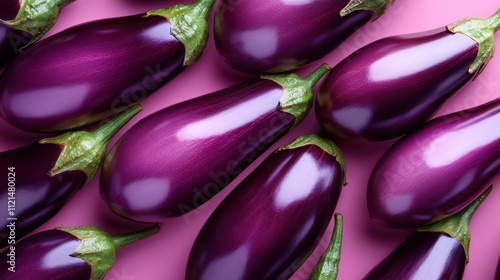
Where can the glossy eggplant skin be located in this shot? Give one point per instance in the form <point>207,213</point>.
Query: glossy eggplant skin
<point>423,255</point>
<point>46,256</point>
<point>272,221</point>
<point>38,197</point>
<point>89,72</point>
<point>251,40</point>
<point>497,275</point>
<point>8,10</point>
<point>174,160</point>
<point>438,170</point>
<point>393,85</point>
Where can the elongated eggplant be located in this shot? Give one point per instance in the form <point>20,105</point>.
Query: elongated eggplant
<point>22,23</point>
<point>42,177</point>
<point>94,70</point>
<point>439,251</point>
<point>497,275</point>
<point>78,253</point>
<point>391,86</point>
<point>275,218</point>
<point>174,160</point>
<point>281,36</point>
<point>327,267</point>
<point>436,171</point>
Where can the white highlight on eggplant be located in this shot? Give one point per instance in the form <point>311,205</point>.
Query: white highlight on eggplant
<point>53,258</point>
<point>410,61</point>
<point>69,98</point>
<point>435,260</point>
<point>297,184</point>
<point>398,204</point>
<point>356,118</point>
<point>229,119</point>
<point>233,264</point>
<point>259,43</point>
<point>297,2</point>
<point>453,146</point>
<point>153,190</point>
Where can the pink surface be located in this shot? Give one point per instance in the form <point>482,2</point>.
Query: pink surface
<point>164,256</point>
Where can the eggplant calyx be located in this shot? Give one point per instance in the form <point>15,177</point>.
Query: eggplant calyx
<point>457,226</point>
<point>297,96</point>
<point>328,265</point>
<point>482,31</point>
<point>36,17</point>
<point>189,25</point>
<point>85,151</point>
<point>378,7</point>
<point>98,248</point>
<point>325,144</point>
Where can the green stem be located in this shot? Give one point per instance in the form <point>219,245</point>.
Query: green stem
<point>203,7</point>
<point>325,144</point>
<point>104,133</point>
<point>378,7</point>
<point>189,25</point>
<point>122,240</point>
<point>315,76</point>
<point>85,151</point>
<point>494,20</point>
<point>328,265</point>
<point>457,226</point>
<point>297,95</point>
<point>37,17</point>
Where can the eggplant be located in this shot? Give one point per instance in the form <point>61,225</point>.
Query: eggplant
<point>76,253</point>
<point>497,275</point>
<point>391,86</point>
<point>327,267</point>
<point>436,171</point>
<point>23,23</point>
<point>176,159</point>
<point>94,70</point>
<point>272,221</point>
<point>439,251</point>
<point>42,177</point>
<point>281,36</point>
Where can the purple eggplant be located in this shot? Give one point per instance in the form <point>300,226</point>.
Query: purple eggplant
<point>280,36</point>
<point>438,251</point>
<point>391,86</point>
<point>327,267</point>
<point>22,23</point>
<point>497,275</point>
<point>42,177</point>
<point>79,253</point>
<point>268,226</point>
<point>94,70</point>
<point>174,160</point>
<point>436,171</point>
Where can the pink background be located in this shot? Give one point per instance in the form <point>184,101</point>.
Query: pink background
<point>164,256</point>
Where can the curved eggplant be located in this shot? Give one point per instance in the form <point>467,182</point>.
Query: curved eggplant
<point>42,177</point>
<point>22,23</point>
<point>391,86</point>
<point>81,253</point>
<point>94,70</point>
<point>176,159</point>
<point>275,218</point>
<point>439,251</point>
<point>436,171</point>
<point>271,39</point>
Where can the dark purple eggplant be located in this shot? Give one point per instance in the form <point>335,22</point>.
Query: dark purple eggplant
<point>438,251</point>
<point>280,36</point>
<point>391,86</point>
<point>94,70</point>
<point>436,171</point>
<point>327,267</point>
<point>23,23</point>
<point>272,221</point>
<point>42,177</point>
<point>176,159</point>
<point>497,275</point>
<point>79,253</point>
